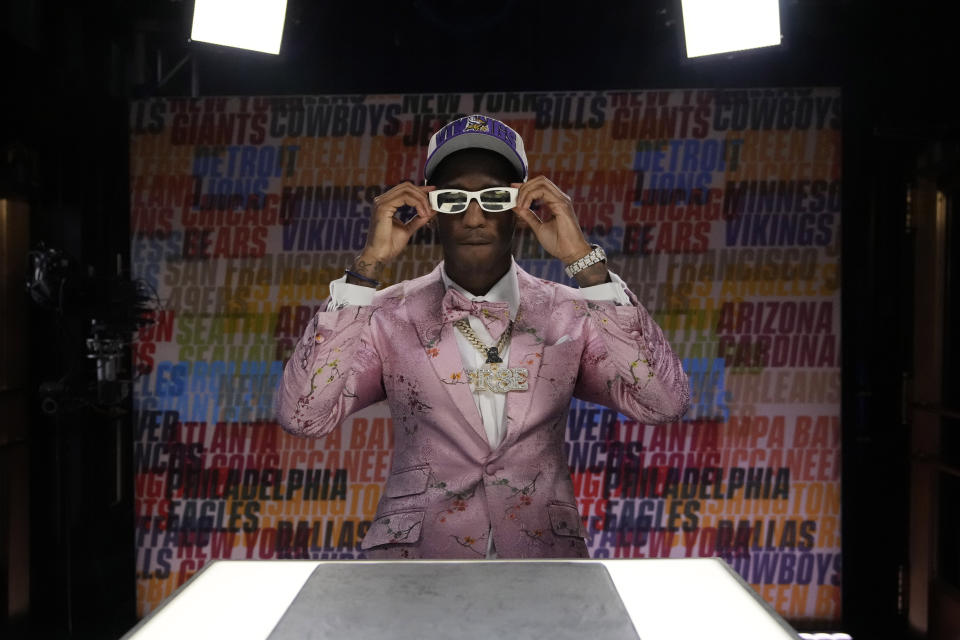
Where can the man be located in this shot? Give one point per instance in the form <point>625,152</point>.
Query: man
<point>478,360</point>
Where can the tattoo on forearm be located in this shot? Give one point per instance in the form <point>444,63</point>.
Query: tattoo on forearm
<point>369,268</point>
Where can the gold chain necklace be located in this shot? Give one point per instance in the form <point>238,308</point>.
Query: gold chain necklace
<point>491,376</point>
<point>492,353</point>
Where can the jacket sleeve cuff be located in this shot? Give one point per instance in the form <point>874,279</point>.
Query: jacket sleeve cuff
<point>613,291</point>
<point>343,294</point>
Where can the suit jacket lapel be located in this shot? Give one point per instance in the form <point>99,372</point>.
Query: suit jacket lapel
<point>526,350</point>
<point>440,344</point>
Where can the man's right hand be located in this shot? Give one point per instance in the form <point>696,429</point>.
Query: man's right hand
<point>388,236</point>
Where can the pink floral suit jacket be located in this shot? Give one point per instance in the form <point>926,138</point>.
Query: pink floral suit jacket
<point>447,487</point>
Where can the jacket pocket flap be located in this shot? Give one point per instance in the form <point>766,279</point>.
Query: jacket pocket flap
<point>562,352</point>
<point>393,528</point>
<point>565,520</point>
<point>407,482</point>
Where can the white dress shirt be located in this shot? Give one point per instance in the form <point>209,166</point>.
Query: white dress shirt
<point>490,405</point>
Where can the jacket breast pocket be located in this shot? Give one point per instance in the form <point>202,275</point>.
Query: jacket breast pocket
<point>562,353</point>
<point>398,527</point>
<point>565,520</point>
<point>408,482</point>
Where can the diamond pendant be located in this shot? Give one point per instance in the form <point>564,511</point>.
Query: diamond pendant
<point>491,377</point>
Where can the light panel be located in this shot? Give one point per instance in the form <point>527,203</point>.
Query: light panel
<point>723,26</point>
<point>246,24</point>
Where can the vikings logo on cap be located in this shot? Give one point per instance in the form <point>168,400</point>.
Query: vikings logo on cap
<point>476,132</point>
<point>476,123</point>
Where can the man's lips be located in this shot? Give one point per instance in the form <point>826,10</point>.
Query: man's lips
<point>475,240</point>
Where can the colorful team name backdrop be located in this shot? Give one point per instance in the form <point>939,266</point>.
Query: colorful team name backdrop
<point>721,209</point>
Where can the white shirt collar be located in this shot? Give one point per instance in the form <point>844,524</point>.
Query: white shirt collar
<point>506,289</point>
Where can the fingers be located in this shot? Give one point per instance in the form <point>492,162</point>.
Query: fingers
<point>557,227</point>
<point>388,234</point>
<point>402,194</point>
<point>413,224</point>
<point>540,188</point>
<point>529,217</point>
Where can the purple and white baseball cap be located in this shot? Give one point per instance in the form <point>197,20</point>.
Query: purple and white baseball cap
<point>476,132</point>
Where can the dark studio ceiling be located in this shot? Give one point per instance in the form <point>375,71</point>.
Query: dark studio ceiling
<point>894,59</point>
<point>455,45</point>
<point>363,46</point>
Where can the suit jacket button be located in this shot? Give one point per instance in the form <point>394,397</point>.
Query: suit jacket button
<point>490,469</point>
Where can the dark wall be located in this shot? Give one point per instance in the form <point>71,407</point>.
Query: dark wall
<point>71,68</point>
<point>63,142</point>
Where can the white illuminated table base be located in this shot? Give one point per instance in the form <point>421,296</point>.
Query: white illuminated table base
<point>675,599</point>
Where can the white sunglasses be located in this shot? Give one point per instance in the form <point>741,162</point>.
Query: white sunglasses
<point>457,200</point>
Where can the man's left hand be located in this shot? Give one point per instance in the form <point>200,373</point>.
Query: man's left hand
<point>557,229</point>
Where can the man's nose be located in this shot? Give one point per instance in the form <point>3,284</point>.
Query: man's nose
<point>473,216</point>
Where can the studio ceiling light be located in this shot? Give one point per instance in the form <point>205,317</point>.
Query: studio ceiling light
<point>246,24</point>
<point>712,27</point>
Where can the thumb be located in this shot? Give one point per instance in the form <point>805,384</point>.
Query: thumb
<point>529,217</point>
<point>415,223</point>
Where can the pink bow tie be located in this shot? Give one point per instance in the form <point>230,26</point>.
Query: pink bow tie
<point>494,315</point>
